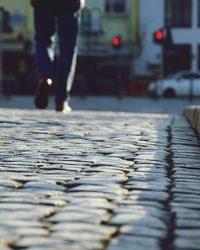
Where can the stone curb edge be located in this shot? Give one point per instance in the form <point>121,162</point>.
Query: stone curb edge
<point>192,114</point>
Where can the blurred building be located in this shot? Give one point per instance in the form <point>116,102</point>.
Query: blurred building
<point>99,64</point>
<point>183,16</point>
<point>16,45</point>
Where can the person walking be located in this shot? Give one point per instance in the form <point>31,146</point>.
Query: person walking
<point>61,17</point>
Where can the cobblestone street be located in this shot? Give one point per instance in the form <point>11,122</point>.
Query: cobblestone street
<point>98,180</point>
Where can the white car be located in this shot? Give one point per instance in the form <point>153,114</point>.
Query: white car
<point>185,83</point>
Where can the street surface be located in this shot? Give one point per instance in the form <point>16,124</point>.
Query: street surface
<point>109,103</point>
<point>98,180</point>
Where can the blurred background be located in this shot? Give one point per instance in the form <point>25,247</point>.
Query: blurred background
<point>124,45</point>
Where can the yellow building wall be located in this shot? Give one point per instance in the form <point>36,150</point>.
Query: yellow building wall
<point>133,31</point>
<point>21,16</point>
<point>125,25</point>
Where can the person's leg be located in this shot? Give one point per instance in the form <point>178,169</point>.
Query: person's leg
<point>44,21</point>
<point>67,24</point>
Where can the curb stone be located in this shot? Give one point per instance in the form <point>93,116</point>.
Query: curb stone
<point>192,113</point>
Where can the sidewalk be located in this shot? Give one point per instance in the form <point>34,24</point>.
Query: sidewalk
<point>98,180</point>
<point>109,103</point>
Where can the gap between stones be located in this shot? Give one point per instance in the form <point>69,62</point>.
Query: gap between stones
<point>112,213</point>
<point>168,242</point>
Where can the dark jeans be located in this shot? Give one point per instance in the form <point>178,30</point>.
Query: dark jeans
<point>47,22</point>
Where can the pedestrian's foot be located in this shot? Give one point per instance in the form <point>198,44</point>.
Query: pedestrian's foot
<point>41,96</point>
<point>63,107</point>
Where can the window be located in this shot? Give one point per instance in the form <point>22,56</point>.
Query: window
<point>178,13</point>
<point>182,60</point>
<point>91,23</point>
<point>190,76</point>
<point>95,21</point>
<point>115,6</point>
<point>86,22</point>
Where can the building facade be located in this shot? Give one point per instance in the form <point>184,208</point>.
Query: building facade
<point>183,16</point>
<point>101,22</point>
<point>19,22</point>
<point>98,62</point>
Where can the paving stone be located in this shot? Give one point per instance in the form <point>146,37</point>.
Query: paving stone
<point>113,167</point>
<point>147,210</point>
<point>27,213</point>
<point>133,242</point>
<point>61,247</point>
<point>182,212</point>
<point>149,195</point>
<point>42,192</point>
<point>39,241</point>
<point>149,157</point>
<point>7,237</point>
<point>150,168</point>
<point>187,176</point>
<point>90,194</point>
<point>83,236</point>
<point>135,202</point>
<point>79,216</point>
<point>55,243</point>
<point>188,223</point>
<point>98,181</point>
<point>80,209</point>
<point>185,191</point>
<point>93,203</point>
<point>19,223</point>
<point>116,189</point>
<point>150,185</point>
<point>185,184</point>
<point>146,176</point>
<point>143,231</point>
<point>185,243</point>
<point>44,185</point>
<point>193,205</point>
<point>29,231</point>
<point>188,233</point>
<point>186,199</point>
<point>63,187</point>
<point>10,184</point>
<point>87,227</point>
<point>137,218</point>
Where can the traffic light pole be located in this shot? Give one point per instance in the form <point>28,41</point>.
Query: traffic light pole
<point>119,76</point>
<point>117,46</point>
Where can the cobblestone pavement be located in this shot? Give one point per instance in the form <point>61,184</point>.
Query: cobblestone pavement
<point>94,180</point>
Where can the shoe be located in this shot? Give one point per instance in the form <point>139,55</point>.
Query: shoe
<point>41,96</point>
<point>63,107</point>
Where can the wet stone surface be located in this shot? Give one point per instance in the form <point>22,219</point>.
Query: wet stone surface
<point>94,180</point>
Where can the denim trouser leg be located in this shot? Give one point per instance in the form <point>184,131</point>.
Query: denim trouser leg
<point>44,22</point>
<point>67,28</point>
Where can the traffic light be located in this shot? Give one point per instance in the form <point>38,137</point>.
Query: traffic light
<point>158,37</point>
<point>116,42</point>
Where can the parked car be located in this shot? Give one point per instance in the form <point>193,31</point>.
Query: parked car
<point>184,83</point>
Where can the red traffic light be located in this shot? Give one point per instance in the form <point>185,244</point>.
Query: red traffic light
<point>158,37</point>
<point>116,42</point>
